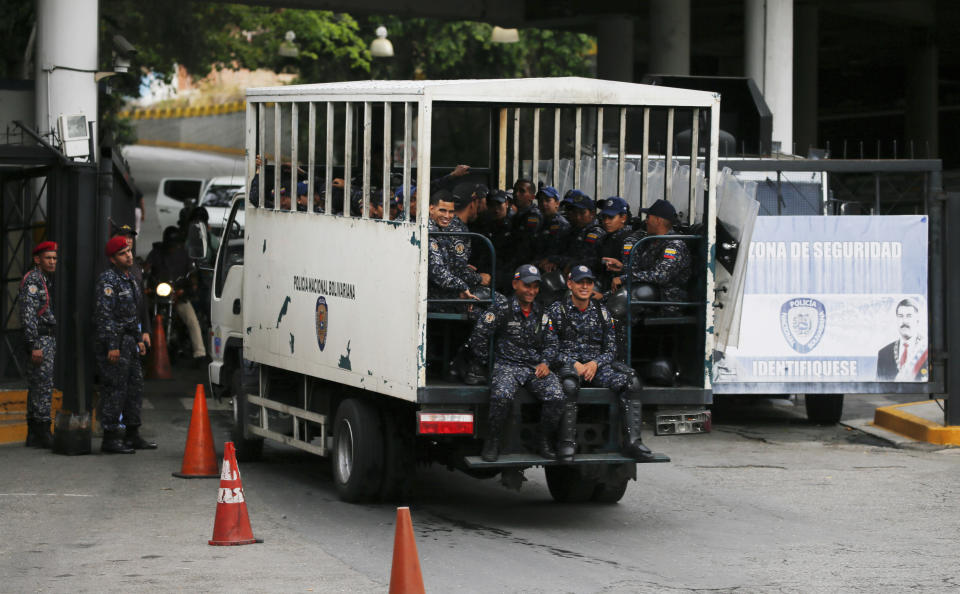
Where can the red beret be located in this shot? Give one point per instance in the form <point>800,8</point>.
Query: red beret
<point>116,244</point>
<point>46,246</point>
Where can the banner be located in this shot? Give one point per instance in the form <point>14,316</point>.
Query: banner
<point>833,299</point>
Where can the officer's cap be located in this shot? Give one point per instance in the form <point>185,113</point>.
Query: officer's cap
<point>663,209</point>
<point>550,192</point>
<point>578,273</point>
<point>116,243</point>
<point>577,199</point>
<point>498,196</point>
<point>302,189</point>
<point>527,273</point>
<point>480,191</point>
<point>614,206</point>
<point>399,192</point>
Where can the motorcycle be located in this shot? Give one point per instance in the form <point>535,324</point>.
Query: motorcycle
<point>164,295</point>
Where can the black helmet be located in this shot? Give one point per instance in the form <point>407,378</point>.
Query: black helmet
<point>617,304</point>
<point>659,372</point>
<point>552,281</point>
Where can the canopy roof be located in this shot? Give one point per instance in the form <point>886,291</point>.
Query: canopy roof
<point>560,90</point>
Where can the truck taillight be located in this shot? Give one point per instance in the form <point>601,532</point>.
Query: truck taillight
<point>445,423</point>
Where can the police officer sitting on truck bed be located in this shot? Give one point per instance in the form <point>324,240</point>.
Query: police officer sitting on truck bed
<point>615,218</point>
<point>586,353</point>
<point>524,347</point>
<point>443,280</point>
<point>664,263</point>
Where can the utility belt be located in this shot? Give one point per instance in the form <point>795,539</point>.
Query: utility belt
<point>46,330</point>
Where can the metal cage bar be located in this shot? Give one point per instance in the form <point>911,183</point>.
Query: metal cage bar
<point>622,153</point>
<point>367,140</point>
<point>328,168</point>
<point>294,157</point>
<point>556,147</point>
<point>577,131</point>
<point>694,166</point>
<point>311,154</point>
<point>347,155</point>
<point>598,173</point>
<point>668,159</point>
<point>277,144</point>
<point>387,157</point>
<point>535,165</point>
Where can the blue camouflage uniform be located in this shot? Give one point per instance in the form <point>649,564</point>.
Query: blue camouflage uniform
<point>522,343</point>
<point>665,263</point>
<point>585,336</point>
<point>553,238</point>
<point>461,249</point>
<point>118,297</point>
<point>524,227</point>
<point>39,325</point>
<point>443,282</point>
<point>583,246</point>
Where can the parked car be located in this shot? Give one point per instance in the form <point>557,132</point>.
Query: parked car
<point>214,194</point>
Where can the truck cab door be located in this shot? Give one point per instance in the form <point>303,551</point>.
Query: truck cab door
<point>172,194</point>
<point>736,215</point>
<point>226,296</point>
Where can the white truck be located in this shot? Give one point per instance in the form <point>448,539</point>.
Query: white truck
<point>332,309</point>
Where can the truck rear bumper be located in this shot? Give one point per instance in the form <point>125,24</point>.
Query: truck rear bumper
<point>456,393</point>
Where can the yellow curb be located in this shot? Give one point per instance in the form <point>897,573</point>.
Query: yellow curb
<point>893,418</point>
<point>13,414</point>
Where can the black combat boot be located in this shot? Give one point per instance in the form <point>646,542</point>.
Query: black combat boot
<point>113,444</point>
<point>32,437</point>
<point>498,418</point>
<point>567,438</point>
<point>550,414</point>
<point>44,439</point>
<point>133,440</point>
<point>631,413</point>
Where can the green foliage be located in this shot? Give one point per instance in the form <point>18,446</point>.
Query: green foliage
<point>432,49</point>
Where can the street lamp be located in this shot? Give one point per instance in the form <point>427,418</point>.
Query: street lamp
<point>288,49</point>
<point>381,46</point>
<point>501,35</point>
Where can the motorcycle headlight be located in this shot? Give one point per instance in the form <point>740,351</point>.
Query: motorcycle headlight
<point>164,290</point>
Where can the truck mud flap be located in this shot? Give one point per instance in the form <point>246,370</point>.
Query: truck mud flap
<point>527,460</point>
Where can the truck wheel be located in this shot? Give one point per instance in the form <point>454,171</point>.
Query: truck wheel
<point>824,409</point>
<point>399,465</point>
<point>357,451</point>
<point>248,450</point>
<point>610,492</point>
<point>567,484</point>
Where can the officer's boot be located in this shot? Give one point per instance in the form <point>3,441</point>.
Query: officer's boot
<point>567,438</point>
<point>133,440</point>
<point>113,444</point>
<point>499,410</point>
<point>32,436</point>
<point>550,414</point>
<point>44,439</point>
<point>631,417</point>
<point>567,435</point>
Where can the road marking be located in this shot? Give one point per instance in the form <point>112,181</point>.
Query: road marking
<point>44,495</point>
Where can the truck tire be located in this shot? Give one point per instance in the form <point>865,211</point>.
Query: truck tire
<point>399,464</point>
<point>248,450</point>
<point>610,492</point>
<point>824,409</point>
<point>357,458</point>
<point>568,485</point>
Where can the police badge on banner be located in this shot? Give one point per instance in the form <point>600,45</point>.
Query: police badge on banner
<point>833,299</point>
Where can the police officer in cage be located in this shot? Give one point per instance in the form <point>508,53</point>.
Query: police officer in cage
<point>465,213</point>
<point>665,263</point>
<point>553,235</point>
<point>39,329</point>
<point>119,343</point>
<point>523,351</point>
<point>586,233</point>
<point>614,215</point>
<point>585,356</point>
<point>443,280</point>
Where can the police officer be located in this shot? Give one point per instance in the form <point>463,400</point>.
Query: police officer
<point>119,342</point>
<point>443,280</point>
<point>495,225</point>
<point>664,263</point>
<point>39,326</point>
<point>585,356</point>
<point>524,349</point>
<point>553,235</point>
<point>614,216</point>
<point>526,223</point>
<point>465,212</point>
<point>586,233</point>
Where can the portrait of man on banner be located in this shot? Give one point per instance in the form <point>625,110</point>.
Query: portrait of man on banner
<point>905,359</point>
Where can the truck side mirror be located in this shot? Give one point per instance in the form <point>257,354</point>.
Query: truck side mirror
<point>197,240</point>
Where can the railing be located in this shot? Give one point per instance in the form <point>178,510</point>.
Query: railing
<point>628,270</point>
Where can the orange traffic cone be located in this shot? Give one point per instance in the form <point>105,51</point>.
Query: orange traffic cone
<point>158,362</point>
<point>232,525</point>
<point>199,457</point>
<point>405,576</point>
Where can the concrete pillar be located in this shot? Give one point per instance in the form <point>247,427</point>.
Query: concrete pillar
<point>615,48</point>
<point>66,61</point>
<point>768,60</point>
<point>669,37</point>
<point>805,79</point>
<point>922,103</point>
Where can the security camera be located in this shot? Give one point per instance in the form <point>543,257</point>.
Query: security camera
<point>123,51</point>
